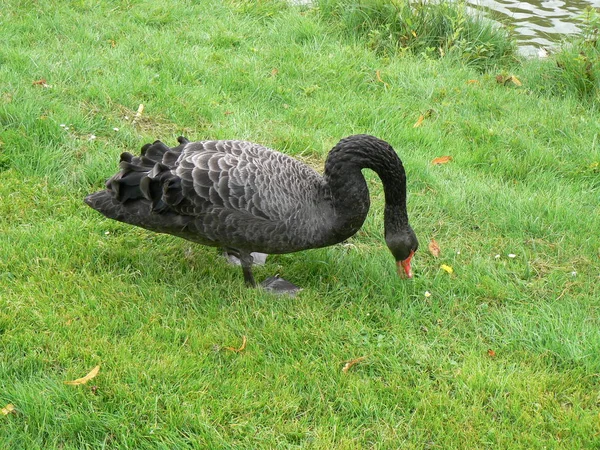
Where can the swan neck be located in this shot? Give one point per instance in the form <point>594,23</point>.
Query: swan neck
<point>349,191</point>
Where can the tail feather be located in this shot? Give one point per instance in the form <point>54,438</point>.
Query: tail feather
<point>140,179</point>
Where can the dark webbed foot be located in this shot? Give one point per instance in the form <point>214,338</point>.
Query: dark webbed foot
<point>275,285</point>
<point>279,286</point>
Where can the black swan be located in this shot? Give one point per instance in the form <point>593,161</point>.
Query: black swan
<point>247,198</point>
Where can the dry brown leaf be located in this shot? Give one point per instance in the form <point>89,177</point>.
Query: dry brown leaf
<point>441,160</point>
<point>85,379</point>
<point>10,408</point>
<point>378,76</point>
<point>113,43</point>
<point>41,82</point>
<point>274,72</point>
<point>434,248</point>
<point>352,362</point>
<point>491,353</point>
<point>237,350</point>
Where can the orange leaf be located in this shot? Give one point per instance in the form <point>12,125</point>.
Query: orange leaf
<point>237,350</point>
<point>491,353</point>
<point>352,362</point>
<point>441,160</point>
<point>472,81</point>
<point>419,121</point>
<point>434,248</point>
<point>85,379</point>
<point>41,82</point>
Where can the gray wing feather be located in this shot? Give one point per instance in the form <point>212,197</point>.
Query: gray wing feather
<point>243,177</point>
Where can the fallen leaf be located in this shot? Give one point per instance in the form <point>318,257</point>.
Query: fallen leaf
<point>413,33</point>
<point>41,82</point>
<point>113,43</point>
<point>274,72</point>
<point>138,114</point>
<point>237,350</point>
<point>424,116</point>
<point>441,160</point>
<point>491,353</point>
<point>515,80</point>
<point>378,76</point>
<point>447,268</point>
<point>352,362</point>
<point>85,379</point>
<point>434,248</point>
<point>7,409</point>
<point>501,79</point>
<point>228,113</point>
<point>472,81</point>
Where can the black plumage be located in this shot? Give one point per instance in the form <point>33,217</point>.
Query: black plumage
<point>247,198</point>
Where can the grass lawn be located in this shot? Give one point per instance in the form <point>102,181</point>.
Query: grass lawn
<point>502,353</point>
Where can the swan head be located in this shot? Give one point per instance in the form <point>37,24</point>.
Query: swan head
<point>403,246</point>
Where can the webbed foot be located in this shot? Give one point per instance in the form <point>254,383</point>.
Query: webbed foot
<point>279,286</point>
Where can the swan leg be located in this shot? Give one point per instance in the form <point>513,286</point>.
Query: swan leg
<point>246,262</point>
<point>275,285</point>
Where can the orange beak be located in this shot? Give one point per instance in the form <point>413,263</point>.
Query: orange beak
<point>404,267</point>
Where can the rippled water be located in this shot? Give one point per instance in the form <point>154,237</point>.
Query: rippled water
<point>537,24</point>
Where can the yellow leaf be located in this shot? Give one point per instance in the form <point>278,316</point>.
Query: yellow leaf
<point>441,160</point>
<point>447,268</point>
<point>85,379</point>
<point>419,121</point>
<point>515,80</point>
<point>7,409</point>
<point>434,248</point>
<point>413,33</point>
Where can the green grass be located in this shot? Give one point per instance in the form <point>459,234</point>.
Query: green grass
<point>155,312</point>
<point>438,29</point>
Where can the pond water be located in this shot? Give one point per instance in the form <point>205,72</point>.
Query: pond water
<point>537,24</point>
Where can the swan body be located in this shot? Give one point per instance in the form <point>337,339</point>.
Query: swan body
<point>246,198</point>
